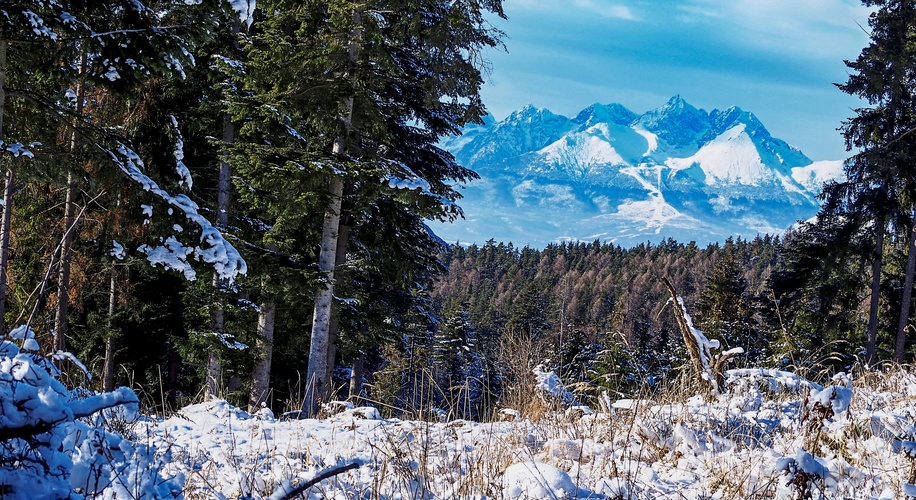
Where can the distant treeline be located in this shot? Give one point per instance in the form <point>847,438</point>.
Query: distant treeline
<point>599,313</point>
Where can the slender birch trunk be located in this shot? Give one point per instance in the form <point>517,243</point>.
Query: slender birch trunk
<point>5,223</point>
<point>907,297</point>
<point>260,376</point>
<point>66,246</point>
<point>7,196</point>
<point>63,277</point>
<point>317,381</point>
<point>877,265</point>
<point>334,326</point>
<point>110,347</point>
<point>214,362</point>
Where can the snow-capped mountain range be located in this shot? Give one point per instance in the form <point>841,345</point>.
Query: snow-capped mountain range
<point>610,174</point>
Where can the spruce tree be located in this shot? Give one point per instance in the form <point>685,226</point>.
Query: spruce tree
<point>725,309</point>
<point>342,93</point>
<point>880,176</point>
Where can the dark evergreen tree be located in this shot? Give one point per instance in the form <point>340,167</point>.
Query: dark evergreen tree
<point>878,194</point>
<point>725,308</point>
<point>457,363</point>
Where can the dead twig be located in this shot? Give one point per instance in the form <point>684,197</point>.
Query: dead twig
<point>317,479</point>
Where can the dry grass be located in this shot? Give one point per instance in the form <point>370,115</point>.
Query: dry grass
<point>727,449</point>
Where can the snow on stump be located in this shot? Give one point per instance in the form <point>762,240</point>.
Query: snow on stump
<point>537,480</point>
<point>551,388</point>
<point>710,369</point>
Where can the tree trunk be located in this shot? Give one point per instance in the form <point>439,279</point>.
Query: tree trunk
<point>174,363</point>
<point>109,365</point>
<point>173,370</point>
<point>66,245</point>
<point>7,197</point>
<point>334,327</point>
<point>225,178</point>
<point>356,379</point>
<point>907,294</point>
<point>63,277</point>
<point>260,376</point>
<point>214,362</point>
<point>317,382</point>
<point>5,224</point>
<point>877,265</point>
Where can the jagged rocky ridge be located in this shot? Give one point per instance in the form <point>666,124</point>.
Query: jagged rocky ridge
<point>610,174</point>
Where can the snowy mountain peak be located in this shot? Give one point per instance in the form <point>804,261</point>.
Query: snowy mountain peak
<point>610,174</point>
<point>677,107</point>
<point>720,121</point>
<point>605,113</point>
<point>679,124</point>
<point>529,114</point>
<point>677,103</point>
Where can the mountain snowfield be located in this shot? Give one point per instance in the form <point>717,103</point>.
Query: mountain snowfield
<point>610,174</point>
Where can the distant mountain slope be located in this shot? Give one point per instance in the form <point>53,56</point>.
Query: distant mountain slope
<point>610,174</point>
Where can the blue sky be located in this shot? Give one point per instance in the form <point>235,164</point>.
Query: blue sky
<point>776,58</point>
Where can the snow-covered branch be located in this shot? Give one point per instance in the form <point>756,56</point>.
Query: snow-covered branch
<point>213,248</point>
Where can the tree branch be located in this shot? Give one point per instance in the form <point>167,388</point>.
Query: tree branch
<point>317,479</point>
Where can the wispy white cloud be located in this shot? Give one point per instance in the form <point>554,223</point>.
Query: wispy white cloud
<point>777,58</point>
<point>607,9</point>
<point>603,8</point>
<point>818,28</point>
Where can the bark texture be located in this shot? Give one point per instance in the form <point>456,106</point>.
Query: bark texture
<point>260,376</point>
<point>907,297</point>
<point>110,346</point>
<point>877,264</point>
<point>317,379</point>
<point>7,196</point>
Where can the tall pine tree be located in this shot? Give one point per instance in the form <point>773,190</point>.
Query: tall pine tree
<point>879,191</point>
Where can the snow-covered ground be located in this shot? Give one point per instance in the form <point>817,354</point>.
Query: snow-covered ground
<point>764,434</point>
<point>772,435</point>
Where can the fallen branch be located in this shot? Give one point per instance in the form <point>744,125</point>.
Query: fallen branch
<point>317,479</point>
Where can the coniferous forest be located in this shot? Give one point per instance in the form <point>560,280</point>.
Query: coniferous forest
<point>214,199</point>
<point>215,210</point>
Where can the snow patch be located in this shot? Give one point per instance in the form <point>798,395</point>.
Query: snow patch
<point>183,173</point>
<point>536,480</point>
<point>117,250</point>
<point>550,384</point>
<point>814,176</point>
<point>213,248</point>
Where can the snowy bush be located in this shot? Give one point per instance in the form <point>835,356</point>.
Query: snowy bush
<point>47,453</point>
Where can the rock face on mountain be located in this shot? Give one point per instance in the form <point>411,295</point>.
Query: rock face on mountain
<point>613,175</point>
